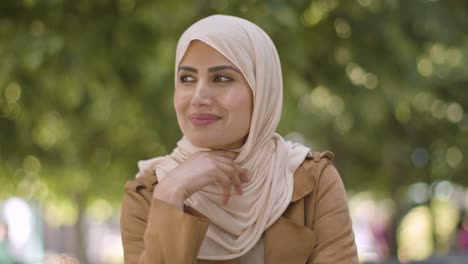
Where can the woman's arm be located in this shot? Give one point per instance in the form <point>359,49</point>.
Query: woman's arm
<point>155,228</point>
<point>331,221</point>
<point>156,232</point>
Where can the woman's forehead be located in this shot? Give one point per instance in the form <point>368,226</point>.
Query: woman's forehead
<point>200,52</point>
<point>230,36</point>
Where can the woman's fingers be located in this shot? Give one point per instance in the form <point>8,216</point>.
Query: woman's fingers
<point>236,181</point>
<point>208,167</point>
<point>224,180</point>
<point>233,172</point>
<point>226,193</point>
<point>244,175</point>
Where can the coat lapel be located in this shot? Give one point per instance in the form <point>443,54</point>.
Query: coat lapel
<point>288,242</point>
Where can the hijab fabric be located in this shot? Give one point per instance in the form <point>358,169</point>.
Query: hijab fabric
<point>237,226</point>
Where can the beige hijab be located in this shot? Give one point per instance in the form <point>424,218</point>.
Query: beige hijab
<point>238,225</point>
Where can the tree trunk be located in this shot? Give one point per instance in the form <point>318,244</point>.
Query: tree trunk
<point>430,204</point>
<point>79,228</point>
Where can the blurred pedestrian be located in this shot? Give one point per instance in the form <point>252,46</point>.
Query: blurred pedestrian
<point>5,255</point>
<point>462,234</point>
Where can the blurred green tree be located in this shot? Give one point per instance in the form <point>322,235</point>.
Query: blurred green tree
<point>86,89</point>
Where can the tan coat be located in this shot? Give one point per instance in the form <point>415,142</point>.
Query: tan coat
<point>315,228</point>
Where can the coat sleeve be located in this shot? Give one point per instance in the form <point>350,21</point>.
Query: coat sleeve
<point>156,232</point>
<point>331,221</point>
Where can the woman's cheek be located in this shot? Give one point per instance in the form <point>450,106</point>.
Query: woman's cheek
<point>181,101</point>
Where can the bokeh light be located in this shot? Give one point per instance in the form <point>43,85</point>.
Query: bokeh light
<point>454,156</point>
<point>13,93</point>
<point>420,157</point>
<point>454,113</point>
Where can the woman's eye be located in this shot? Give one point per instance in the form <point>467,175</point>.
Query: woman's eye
<point>186,78</point>
<point>221,78</point>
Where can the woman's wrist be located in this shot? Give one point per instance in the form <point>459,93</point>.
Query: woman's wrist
<point>170,195</point>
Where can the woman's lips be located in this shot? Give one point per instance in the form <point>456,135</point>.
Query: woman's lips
<point>203,119</point>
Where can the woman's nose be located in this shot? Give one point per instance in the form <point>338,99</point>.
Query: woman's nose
<point>202,95</point>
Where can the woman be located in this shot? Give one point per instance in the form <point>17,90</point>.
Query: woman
<point>233,191</point>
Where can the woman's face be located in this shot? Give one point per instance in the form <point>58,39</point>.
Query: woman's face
<point>212,99</point>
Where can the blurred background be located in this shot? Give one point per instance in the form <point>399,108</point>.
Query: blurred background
<point>86,91</point>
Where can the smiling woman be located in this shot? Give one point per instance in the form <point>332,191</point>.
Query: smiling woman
<point>212,99</point>
<point>288,204</point>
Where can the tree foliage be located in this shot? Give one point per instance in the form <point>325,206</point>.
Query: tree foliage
<point>86,88</point>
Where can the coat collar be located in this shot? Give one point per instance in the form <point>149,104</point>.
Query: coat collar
<point>304,183</point>
<point>305,176</point>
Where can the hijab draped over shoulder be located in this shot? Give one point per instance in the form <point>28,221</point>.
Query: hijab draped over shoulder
<point>237,226</point>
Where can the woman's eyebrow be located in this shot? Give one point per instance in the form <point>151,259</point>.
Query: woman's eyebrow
<point>211,69</point>
<point>223,67</point>
<point>187,68</point>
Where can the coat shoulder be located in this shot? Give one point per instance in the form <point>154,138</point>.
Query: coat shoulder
<point>143,185</point>
<point>318,156</point>
<point>309,173</point>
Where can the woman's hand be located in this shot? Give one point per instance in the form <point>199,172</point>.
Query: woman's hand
<point>200,170</point>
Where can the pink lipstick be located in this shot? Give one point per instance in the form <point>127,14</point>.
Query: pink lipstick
<point>203,119</point>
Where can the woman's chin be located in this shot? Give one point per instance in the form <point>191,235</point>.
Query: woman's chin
<point>202,143</point>
<point>215,145</point>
